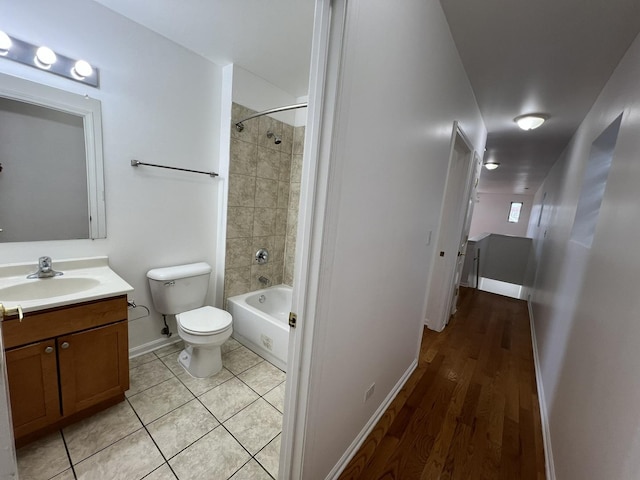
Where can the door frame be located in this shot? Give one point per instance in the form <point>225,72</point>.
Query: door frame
<point>472,188</point>
<point>441,282</point>
<point>324,86</point>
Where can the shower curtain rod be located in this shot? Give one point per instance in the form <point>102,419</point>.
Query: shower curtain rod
<point>240,126</point>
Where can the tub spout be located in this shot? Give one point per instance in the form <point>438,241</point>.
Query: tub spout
<point>264,280</point>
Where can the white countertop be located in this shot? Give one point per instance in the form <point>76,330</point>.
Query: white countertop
<point>94,270</point>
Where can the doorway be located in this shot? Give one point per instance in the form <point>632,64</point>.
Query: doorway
<point>453,231</point>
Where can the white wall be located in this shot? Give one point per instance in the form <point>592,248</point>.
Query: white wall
<point>254,92</point>
<point>160,104</point>
<point>492,210</point>
<point>586,300</point>
<point>400,93</point>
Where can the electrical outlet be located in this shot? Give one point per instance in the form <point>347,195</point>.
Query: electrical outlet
<point>369,392</point>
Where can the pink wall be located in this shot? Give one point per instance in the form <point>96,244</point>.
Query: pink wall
<point>491,211</point>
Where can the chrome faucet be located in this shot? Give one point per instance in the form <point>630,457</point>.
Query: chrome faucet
<point>45,269</point>
<point>264,280</point>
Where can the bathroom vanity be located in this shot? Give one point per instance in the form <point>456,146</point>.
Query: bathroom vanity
<point>68,357</point>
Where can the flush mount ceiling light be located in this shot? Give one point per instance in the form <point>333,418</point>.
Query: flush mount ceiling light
<point>44,58</point>
<point>491,165</point>
<point>530,121</point>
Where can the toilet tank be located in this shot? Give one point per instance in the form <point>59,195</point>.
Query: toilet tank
<point>179,288</point>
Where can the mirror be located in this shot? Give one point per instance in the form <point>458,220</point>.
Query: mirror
<point>51,165</point>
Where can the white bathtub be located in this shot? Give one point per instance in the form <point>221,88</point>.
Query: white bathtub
<point>261,322</point>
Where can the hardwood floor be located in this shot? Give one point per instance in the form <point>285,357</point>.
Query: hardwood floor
<point>470,409</point>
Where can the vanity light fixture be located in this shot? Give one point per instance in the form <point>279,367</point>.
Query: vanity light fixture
<point>491,165</point>
<point>44,58</point>
<point>82,69</point>
<point>530,121</point>
<point>5,43</point>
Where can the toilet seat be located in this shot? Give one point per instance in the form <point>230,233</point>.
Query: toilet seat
<point>204,321</point>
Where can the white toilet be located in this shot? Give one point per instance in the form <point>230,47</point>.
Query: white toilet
<point>181,291</point>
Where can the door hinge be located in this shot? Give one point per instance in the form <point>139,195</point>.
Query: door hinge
<point>293,318</point>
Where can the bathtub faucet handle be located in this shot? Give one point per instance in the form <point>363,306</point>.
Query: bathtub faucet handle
<point>262,256</point>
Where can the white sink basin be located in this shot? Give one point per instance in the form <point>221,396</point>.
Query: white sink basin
<point>43,288</point>
<point>84,280</point>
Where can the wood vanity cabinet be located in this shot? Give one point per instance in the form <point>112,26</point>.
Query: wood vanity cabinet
<point>64,364</point>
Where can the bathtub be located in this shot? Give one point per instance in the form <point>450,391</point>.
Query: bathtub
<point>261,322</point>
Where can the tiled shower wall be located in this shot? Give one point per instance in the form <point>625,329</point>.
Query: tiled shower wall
<point>264,191</point>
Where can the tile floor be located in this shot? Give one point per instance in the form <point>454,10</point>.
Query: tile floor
<point>174,426</point>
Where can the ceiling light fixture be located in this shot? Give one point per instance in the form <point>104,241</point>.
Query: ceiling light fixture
<point>491,165</point>
<point>44,58</point>
<point>530,121</point>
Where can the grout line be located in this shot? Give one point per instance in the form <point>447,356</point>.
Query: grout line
<point>66,448</point>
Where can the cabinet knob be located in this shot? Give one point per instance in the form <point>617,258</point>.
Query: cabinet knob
<point>48,350</point>
<point>64,345</point>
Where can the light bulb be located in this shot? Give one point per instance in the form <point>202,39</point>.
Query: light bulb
<point>529,122</point>
<point>45,57</point>
<point>81,69</point>
<point>5,43</point>
<point>491,165</point>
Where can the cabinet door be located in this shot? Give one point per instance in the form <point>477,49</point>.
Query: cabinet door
<point>94,366</point>
<point>33,386</point>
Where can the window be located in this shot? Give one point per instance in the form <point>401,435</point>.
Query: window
<point>514,212</point>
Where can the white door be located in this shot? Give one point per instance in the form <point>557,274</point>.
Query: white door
<point>454,208</point>
<point>472,190</point>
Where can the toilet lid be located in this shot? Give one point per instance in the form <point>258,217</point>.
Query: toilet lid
<point>204,320</point>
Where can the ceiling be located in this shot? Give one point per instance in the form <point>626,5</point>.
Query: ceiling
<point>546,56</point>
<point>271,39</point>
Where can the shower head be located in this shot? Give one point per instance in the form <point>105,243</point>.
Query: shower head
<point>239,126</point>
<point>276,139</point>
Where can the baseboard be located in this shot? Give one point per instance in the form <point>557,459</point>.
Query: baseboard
<point>544,417</point>
<point>359,440</point>
<point>153,345</point>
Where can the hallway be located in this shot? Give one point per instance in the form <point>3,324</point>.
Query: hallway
<point>470,410</point>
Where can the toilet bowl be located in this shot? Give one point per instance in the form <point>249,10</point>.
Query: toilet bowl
<point>203,331</point>
<point>181,291</point>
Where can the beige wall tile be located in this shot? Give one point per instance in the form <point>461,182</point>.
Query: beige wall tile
<point>237,281</point>
<point>243,157</point>
<point>266,193</point>
<point>240,222</point>
<point>296,168</point>
<point>283,194</point>
<point>242,190</point>
<point>264,222</point>
<point>298,140</point>
<point>258,271</point>
<point>285,167</point>
<point>239,252</point>
<point>281,221</point>
<point>268,163</point>
<point>278,248</point>
<point>292,222</point>
<point>294,197</point>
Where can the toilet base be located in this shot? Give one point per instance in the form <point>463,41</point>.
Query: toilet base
<point>201,362</point>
